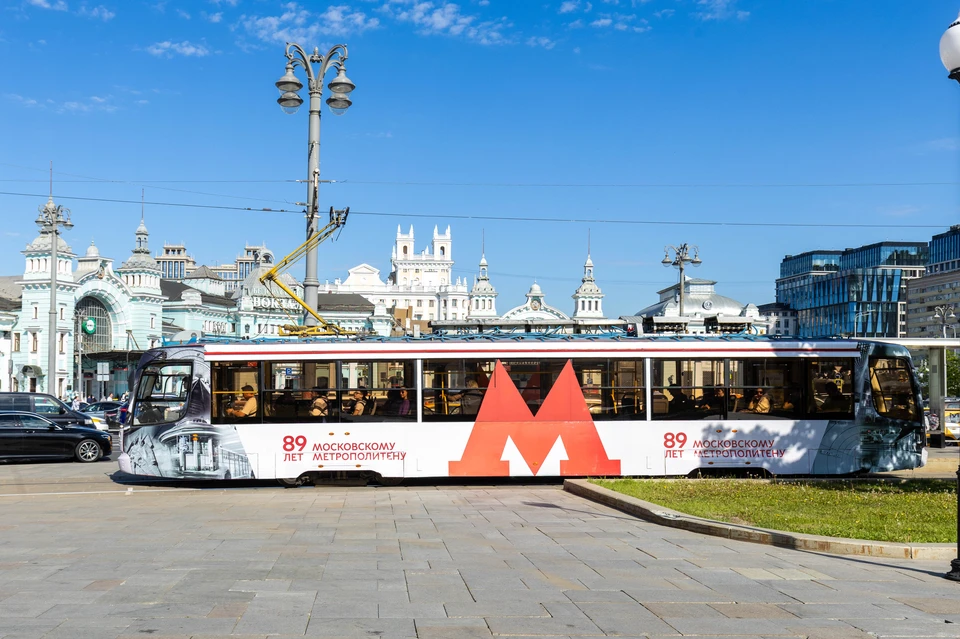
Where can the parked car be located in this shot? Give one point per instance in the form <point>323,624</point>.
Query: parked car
<point>48,406</point>
<point>25,435</point>
<point>105,412</point>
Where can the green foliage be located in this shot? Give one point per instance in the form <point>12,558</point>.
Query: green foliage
<point>910,512</point>
<point>953,374</point>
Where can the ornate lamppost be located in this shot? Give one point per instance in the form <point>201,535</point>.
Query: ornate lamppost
<point>943,315</point>
<point>681,257</point>
<point>339,101</point>
<point>950,56</point>
<point>52,217</point>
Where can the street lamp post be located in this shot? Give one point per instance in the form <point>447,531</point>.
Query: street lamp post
<point>950,56</point>
<point>681,257</point>
<point>339,101</point>
<point>943,314</point>
<point>52,217</point>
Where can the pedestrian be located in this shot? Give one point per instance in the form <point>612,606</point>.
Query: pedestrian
<point>76,402</point>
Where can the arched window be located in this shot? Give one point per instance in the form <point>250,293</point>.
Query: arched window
<point>102,338</point>
<point>404,251</point>
<point>443,251</point>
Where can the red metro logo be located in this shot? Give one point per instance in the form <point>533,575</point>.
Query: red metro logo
<point>505,417</point>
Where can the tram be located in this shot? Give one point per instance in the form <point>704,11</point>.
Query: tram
<point>522,405</point>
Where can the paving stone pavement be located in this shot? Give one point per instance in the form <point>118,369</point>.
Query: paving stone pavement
<point>441,562</point>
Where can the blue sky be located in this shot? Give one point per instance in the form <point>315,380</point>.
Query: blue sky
<point>655,119</point>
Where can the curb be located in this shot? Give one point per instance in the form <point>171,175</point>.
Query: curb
<point>814,543</point>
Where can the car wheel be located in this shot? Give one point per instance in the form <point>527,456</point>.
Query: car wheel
<point>88,451</point>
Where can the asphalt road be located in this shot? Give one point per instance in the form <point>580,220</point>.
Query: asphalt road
<point>82,555</point>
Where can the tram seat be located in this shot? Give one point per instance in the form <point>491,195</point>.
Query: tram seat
<point>371,407</point>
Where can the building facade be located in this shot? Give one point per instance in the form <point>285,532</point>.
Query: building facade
<point>781,319</point>
<point>857,292</point>
<point>939,287</point>
<point>107,316</point>
<point>704,312</point>
<point>421,282</point>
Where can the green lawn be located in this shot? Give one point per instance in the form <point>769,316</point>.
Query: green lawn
<point>909,512</point>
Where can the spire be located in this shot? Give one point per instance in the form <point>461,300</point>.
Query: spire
<point>142,233</point>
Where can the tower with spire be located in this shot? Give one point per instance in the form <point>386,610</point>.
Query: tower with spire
<point>141,275</point>
<point>30,362</point>
<point>588,299</point>
<point>483,296</point>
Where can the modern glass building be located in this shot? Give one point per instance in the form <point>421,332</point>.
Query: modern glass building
<point>857,292</point>
<point>938,288</point>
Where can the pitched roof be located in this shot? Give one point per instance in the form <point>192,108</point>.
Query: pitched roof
<point>344,302</point>
<point>9,287</point>
<point>173,290</point>
<point>203,272</point>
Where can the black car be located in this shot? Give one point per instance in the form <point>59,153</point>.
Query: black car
<point>30,436</point>
<point>46,405</point>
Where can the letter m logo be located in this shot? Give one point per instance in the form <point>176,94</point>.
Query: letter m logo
<point>563,418</point>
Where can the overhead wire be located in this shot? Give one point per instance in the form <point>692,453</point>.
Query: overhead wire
<point>505,218</point>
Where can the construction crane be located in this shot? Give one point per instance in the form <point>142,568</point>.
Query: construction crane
<point>324,328</point>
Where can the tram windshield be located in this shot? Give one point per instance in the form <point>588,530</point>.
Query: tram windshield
<point>162,393</point>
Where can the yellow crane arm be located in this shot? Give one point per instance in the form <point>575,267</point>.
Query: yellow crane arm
<point>337,219</point>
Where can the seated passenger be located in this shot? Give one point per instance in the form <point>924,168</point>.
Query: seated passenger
<point>760,402</point>
<point>359,404</point>
<point>471,399</point>
<point>319,408</point>
<point>246,406</point>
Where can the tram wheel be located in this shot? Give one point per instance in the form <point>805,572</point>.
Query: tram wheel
<point>387,482</point>
<point>290,483</point>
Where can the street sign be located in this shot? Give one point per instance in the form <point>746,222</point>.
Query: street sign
<point>103,368</point>
<point>103,378</point>
<point>288,371</point>
<point>89,325</point>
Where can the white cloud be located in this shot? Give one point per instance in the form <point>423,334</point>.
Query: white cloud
<point>94,103</point>
<point>576,50</point>
<point>296,24</point>
<point>576,24</point>
<point>719,10</point>
<point>941,144</point>
<point>183,14</point>
<point>569,6</point>
<point>231,3</point>
<point>621,22</point>
<point>185,48</point>
<point>447,18</point>
<point>213,17</point>
<point>98,12</point>
<point>57,5</point>
<point>540,41</point>
<point>664,13</point>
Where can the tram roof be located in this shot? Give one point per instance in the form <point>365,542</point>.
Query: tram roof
<point>546,345</point>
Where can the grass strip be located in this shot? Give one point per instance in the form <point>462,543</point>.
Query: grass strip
<point>905,512</point>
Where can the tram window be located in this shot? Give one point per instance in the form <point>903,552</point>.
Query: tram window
<point>613,389</point>
<point>162,393</point>
<point>454,389</point>
<point>831,389</point>
<point>688,389</point>
<point>893,392</point>
<point>534,379</point>
<point>377,391</point>
<point>772,387</point>
<point>235,392</point>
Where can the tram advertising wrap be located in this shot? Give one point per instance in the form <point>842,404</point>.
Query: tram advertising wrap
<point>614,407</point>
